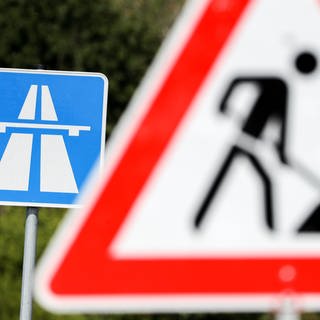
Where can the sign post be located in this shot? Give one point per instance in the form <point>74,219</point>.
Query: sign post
<point>29,253</point>
<point>287,310</point>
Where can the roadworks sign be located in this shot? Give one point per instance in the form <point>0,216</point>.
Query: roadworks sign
<point>210,197</point>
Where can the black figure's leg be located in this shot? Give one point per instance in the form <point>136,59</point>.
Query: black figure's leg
<point>267,190</point>
<point>312,224</point>
<point>214,187</point>
<point>217,182</point>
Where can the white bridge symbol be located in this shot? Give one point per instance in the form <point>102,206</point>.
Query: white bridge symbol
<point>56,174</point>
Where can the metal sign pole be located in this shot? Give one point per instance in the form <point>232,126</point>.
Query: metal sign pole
<point>30,241</point>
<point>287,311</point>
<point>287,316</point>
<point>29,255</point>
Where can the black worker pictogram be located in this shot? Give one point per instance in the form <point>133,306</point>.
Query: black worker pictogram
<point>270,105</point>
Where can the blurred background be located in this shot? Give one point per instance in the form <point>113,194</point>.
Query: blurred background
<point>116,37</point>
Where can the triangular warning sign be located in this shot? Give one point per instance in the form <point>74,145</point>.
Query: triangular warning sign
<point>209,199</point>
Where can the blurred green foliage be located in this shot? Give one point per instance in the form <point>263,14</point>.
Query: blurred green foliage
<point>116,37</point>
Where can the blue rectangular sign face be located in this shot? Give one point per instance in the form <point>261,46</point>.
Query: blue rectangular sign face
<point>52,132</point>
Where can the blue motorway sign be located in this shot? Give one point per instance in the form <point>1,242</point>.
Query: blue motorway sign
<point>52,132</point>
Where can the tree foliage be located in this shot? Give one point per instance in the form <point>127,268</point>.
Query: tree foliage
<point>116,37</point>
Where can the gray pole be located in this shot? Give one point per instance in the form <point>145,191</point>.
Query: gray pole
<point>30,241</point>
<point>287,310</point>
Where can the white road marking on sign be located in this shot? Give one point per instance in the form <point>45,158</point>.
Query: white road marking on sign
<point>56,174</point>
<point>47,107</point>
<point>72,129</point>
<point>28,109</point>
<point>15,171</point>
<point>55,166</point>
